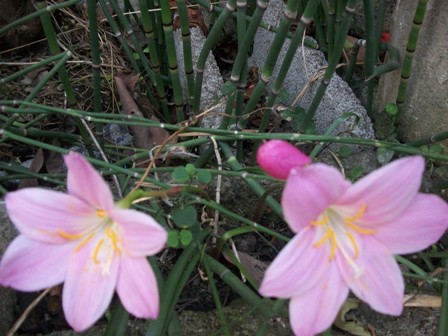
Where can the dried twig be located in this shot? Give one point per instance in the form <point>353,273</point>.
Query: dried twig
<point>27,311</point>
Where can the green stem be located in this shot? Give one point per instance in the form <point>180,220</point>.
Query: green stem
<point>238,286</point>
<point>175,282</point>
<point>209,43</point>
<point>96,66</point>
<point>252,226</point>
<point>215,294</point>
<point>332,63</point>
<point>409,55</point>
<point>443,324</point>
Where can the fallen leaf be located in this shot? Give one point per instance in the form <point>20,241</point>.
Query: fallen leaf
<point>422,300</point>
<point>254,267</point>
<point>144,137</point>
<point>353,327</point>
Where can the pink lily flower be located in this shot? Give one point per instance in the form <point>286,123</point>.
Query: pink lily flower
<point>346,236</point>
<point>86,241</point>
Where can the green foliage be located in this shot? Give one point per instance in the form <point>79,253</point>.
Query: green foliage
<point>184,217</point>
<point>294,116</point>
<point>384,155</point>
<point>190,172</point>
<point>345,151</point>
<point>354,174</point>
<point>434,149</point>
<point>157,66</point>
<point>177,238</point>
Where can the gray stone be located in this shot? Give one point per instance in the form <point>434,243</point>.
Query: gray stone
<point>211,96</point>
<point>424,111</point>
<point>7,295</point>
<point>307,63</point>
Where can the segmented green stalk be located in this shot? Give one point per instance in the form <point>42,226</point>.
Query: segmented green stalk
<point>305,20</point>
<point>216,298</point>
<point>290,14</point>
<point>167,22</point>
<point>10,106</point>
<point>42,9</point>
<point>186,45</point>
<point>54,49</point>
<point>32,67</point>
<point>174,284</point>
<point>353,58</point>
<point>156,16</point>
<point>393,64</point>
<point>147,23</point>
<point>331,25</point>
<point>443,325</point>
<point>371,49</point>
<point>217,9</point>
<point>320,26</point>
<point>238,72</point>
<point>409,55</point>
<point>332,63</point>
<point>136,44</point>
<point>241,6</point>
<point>130,57</point>
<point>209,43</point>
<point>254,185</point>
<point>96,65</point>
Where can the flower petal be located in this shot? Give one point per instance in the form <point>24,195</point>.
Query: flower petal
<point>381,283</point>
<point>309,191</point>
<point>278,157</point>
<point>84,182</point>
<point>422,224</point>
<point>88,289</point>
<point>31,266</point>
<point>39,214</point>
<point>142,235</point>
<point>297,268</point>
<point>386,192</point>
<point>137,288</point>
<point>315,310</point>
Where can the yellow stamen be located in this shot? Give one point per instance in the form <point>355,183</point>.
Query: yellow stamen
<point>323,221</point>
<point>358,215</point>
<point>84,242</point>
<point>360,229</point>
<point>101,213</point>
<point>333,246</point>
<point>355,246</point>
<point>323,239</point>
<point>70,236</point>
<point>97,249</point>
<point>329,235</point>
<point>114,238</point>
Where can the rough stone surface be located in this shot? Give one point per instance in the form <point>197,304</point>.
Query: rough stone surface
<point>426,105</point>
<point>212,80</point>
<point>7,295</point>
<point>307,62</point>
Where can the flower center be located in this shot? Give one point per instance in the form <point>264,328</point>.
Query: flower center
<point>341,232</point>
<point>107,240</point>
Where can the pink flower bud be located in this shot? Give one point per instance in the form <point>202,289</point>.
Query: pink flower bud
<point>278,157</point>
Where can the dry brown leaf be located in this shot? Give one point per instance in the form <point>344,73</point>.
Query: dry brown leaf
<point>256,268</point>
<point>54,305</point>
<point>352,326</point>
<point>54,162</point>
<point>144,137</point>
<point>35,167</point>
<point>422,300</point>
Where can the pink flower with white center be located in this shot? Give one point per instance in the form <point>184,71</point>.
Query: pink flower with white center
<point>86,241</point>
<point>346,236</point>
